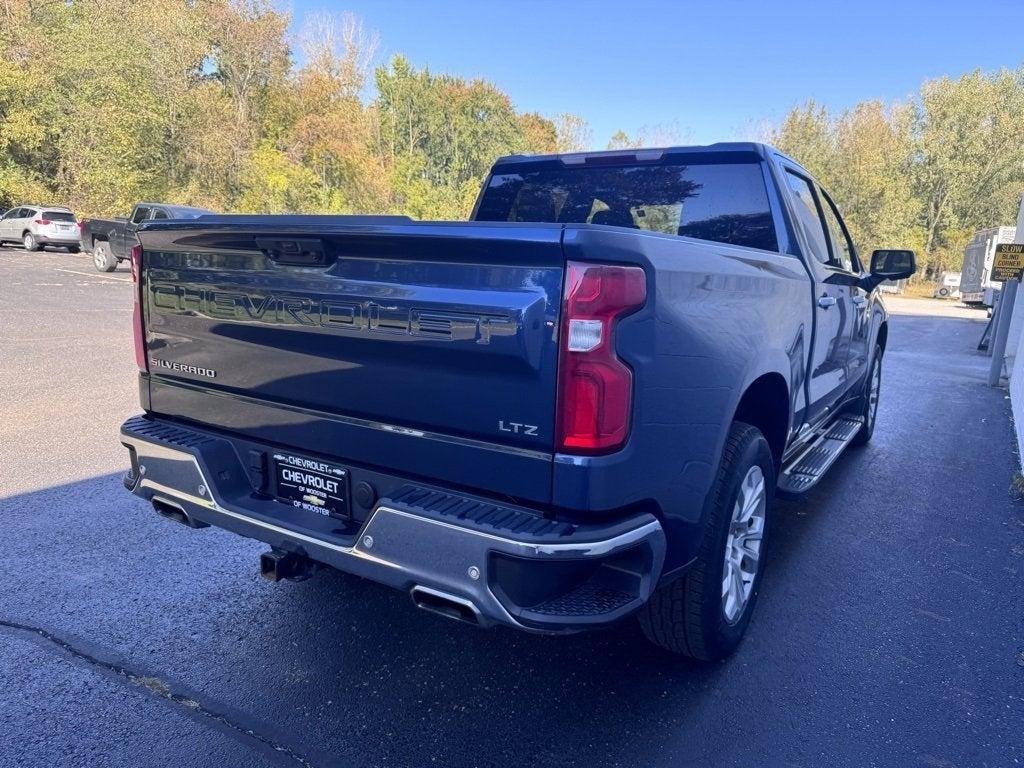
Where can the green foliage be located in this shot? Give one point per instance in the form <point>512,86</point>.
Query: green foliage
<point>273,182</point>
<point>926,174</point>
<point>441,134</point>
<point>106,102</point>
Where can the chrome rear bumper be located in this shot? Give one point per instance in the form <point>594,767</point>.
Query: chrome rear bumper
<point>568,578</point>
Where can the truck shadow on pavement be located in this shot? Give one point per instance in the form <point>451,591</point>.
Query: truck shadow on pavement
<point>336,669</point>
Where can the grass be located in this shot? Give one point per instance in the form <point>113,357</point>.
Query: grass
<point>921,290</point>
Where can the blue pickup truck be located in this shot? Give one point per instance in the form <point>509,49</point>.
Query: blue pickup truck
<point>576,407</point>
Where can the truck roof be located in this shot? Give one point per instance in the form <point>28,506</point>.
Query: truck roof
<point>653,154</point>
<point>177,209</point>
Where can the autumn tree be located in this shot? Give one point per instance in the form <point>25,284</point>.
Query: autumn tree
<point>925,174</point>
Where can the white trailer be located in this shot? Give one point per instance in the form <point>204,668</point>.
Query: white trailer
<point>976,287</point>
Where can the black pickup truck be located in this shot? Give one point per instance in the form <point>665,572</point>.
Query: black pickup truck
<point>110,240</point>
<point>576,407</point>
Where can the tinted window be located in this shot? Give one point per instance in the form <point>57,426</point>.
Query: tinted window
<point>807,213</point>
<point>158,214</point>
<point>59,215</point>
<point>842,249</point>
<point>11,214</point>
<point>723,202</point>
<point>140,215</point>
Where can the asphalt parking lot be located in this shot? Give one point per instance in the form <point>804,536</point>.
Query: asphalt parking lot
<point>889,630</point>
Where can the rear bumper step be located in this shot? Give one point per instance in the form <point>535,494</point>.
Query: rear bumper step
<point>456,555</point>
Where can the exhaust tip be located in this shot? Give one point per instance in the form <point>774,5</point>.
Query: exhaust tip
<point>445,605</point>
<point>177,513</point>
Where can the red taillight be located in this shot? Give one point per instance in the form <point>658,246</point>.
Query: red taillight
<point>595,388</point>
<point>137,330</point>
<point>81,227</point>
<point>44,222</point>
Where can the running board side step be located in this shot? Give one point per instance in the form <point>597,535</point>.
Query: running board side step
<point>806,468</point>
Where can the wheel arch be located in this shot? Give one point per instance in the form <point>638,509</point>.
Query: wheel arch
<point>765,404</point>
<point>882,336</point>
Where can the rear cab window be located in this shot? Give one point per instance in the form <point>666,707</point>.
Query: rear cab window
<point>696,196</point>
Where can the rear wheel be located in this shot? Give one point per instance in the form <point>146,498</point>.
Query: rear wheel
<point>29,241</point>
<point>73,249</point>
<point>103,258</point>
<point>869,400</point>
<point>705,614</point>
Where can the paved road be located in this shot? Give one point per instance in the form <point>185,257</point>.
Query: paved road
<point>889,630</point>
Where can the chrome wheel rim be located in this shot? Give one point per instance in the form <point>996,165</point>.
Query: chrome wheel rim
<point>28,242</point>
<point>743,545</point>
<point>97,257</point>
<point>876,386</point>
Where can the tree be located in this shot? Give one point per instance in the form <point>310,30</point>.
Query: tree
<point>873,179</point>
<point>572,133</point>
<point>540,135</point>
<point>333,132</point>
<point>440,135</point>
<point>807,134</point>
<point>622,140</point>
<point>970,157</point>
<point>926,174</point>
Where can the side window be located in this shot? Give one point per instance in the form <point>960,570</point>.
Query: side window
<point>140,215</point>
<point>26,213</point>
<point>158,214</point>
<point>11,214</point>
<point>843,254</point>
<point>807,213</point>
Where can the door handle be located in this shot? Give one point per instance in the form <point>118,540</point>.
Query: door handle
<point>826,301</point>
<point>860,301</point>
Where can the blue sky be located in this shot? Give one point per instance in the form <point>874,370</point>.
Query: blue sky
<point>708,70</point>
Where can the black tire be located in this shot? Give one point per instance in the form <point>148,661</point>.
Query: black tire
<point>102,257</point>
<point>867,409</point>
<point>29,241</point>
<point>943,292</point>
<point>688,615</point>
<point>73,249</point>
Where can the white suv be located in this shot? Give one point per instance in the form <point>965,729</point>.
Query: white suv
<point>35,226</point>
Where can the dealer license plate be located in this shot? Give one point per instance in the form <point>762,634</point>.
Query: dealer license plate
<point>311,484</point>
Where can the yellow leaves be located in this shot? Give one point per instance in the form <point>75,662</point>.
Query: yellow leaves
<point>924,174</point>
<point>22,127</point>
<point>106,102</point>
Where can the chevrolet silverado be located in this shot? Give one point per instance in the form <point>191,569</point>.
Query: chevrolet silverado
<point>576,407</point>
<point>110,241</point>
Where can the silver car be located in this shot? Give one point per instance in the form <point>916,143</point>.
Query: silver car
<point>35,226</point>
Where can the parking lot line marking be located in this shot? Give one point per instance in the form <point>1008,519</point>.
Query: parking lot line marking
<point>89,274</point>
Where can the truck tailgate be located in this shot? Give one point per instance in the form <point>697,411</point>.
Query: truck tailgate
<point>441,334</point>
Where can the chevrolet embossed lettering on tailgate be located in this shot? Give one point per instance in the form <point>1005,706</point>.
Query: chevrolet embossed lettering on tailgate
<point>457,338</point>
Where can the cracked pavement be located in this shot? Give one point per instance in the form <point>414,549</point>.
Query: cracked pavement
<point>889,631</point>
